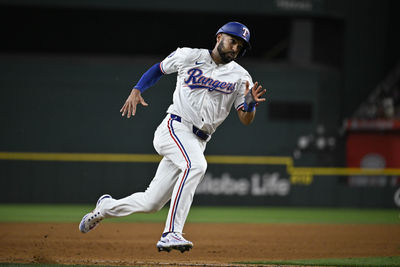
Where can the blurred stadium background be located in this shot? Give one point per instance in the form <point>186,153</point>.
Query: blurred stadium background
<point>330,127</point>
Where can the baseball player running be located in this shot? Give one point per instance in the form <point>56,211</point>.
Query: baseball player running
<point>209,83</point>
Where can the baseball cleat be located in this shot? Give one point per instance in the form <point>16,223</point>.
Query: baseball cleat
<point>173,240</point>
<point>92,219</point>
<point>164,249</point>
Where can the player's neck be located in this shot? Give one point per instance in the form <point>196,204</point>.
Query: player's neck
<point>216,57</point>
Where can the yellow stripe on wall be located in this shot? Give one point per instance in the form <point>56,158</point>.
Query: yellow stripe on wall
<point>80,157</point>
<point>253,160</point>
<point>150,158</point>
<point>319,171</point>
<point>212,159</point>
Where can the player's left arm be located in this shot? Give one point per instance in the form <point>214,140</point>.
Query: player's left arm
<point>252,98</point>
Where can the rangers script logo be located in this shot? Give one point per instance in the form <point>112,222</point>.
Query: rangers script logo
<point>197,80</point>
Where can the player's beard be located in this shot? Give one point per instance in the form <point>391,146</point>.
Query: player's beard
<point>226,57</point>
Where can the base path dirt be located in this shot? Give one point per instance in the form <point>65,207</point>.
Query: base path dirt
<point>214,244</point>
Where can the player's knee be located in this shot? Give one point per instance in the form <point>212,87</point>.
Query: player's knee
<point>199,166</point>
<point>152,207</point>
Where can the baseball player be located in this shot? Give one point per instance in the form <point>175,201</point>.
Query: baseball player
<point>209,83</point>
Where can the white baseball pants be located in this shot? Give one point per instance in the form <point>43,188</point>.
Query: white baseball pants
<point>178,174</point>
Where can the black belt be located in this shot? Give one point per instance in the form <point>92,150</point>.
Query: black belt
<point>196,131</point>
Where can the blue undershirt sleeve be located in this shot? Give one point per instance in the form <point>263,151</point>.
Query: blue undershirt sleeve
<point>149,78</point>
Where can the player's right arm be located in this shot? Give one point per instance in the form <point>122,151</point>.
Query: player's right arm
<point>131,102</point>
<point>149,78</point>
<point>169,65</point>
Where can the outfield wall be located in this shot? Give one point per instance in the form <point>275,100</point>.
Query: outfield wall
<point>71,105</point>
<point>230,180</point>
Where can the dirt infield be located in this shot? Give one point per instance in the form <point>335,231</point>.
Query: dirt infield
<point>214,244</point>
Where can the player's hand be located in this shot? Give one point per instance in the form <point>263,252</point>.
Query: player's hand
<point>131,102</point>
<point>257,91</point>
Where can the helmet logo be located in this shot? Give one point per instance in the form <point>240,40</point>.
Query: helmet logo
<point>245,32</point>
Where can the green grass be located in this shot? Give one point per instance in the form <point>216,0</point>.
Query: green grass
<point>73,213</point>
<point>50,265</point>
<point>346,262</point>
<point>293,215</point>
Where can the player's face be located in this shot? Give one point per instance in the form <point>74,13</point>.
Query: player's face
<point>229,47</point>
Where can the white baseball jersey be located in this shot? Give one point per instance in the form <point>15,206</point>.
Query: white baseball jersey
<point>205,91</point>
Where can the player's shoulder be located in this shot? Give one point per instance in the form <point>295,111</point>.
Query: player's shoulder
<point>188,55</point>
<point>190,51</point>
<point>236,67</point>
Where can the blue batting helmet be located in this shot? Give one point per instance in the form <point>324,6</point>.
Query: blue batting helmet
<point>239,30</point>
